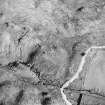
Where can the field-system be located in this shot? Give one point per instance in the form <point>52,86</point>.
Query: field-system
<point>52,52</point>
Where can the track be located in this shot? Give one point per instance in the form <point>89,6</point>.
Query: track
<point>77,73</point>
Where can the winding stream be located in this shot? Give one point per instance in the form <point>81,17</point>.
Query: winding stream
<point>77,73</point>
